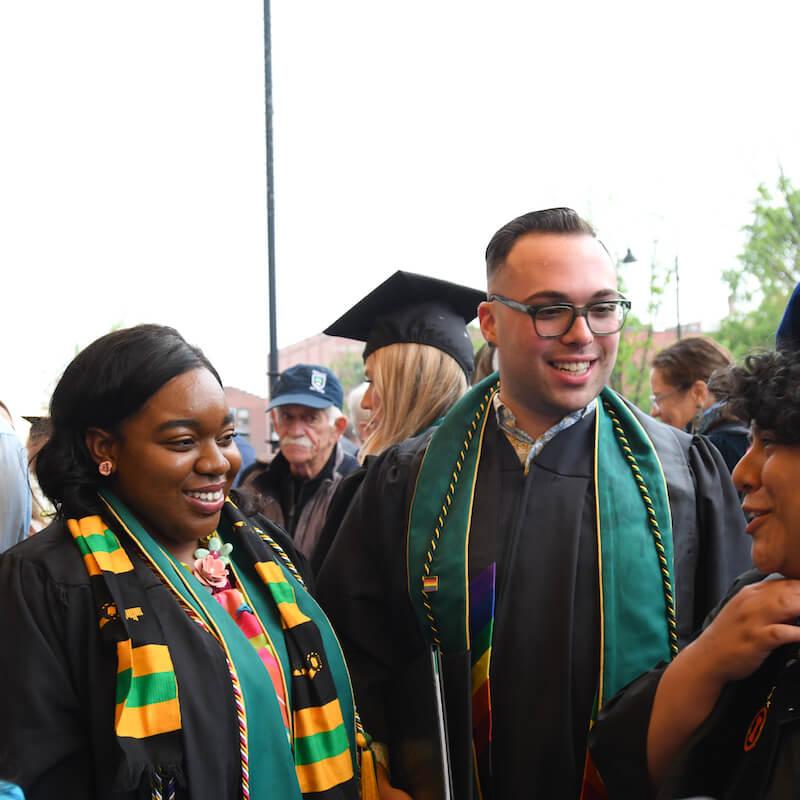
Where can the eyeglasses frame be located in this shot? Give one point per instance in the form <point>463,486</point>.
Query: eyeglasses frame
<point>577,311</point>
<point>655,399</point>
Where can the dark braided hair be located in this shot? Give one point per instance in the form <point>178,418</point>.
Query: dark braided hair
<point>766,391</point>
<point>103,385</point>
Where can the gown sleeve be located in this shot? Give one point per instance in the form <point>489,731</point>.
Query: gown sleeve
<point>618,740</point>
<point>723,546</point>
<point>362,586</point>
<point>43,736</point>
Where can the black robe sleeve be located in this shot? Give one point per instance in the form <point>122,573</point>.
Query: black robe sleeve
<point>723,546</point>
<point>340,502</point>
<point>618,741</point>
<point>57,706</point>
<point>362,585</point>
<point>43,741</point>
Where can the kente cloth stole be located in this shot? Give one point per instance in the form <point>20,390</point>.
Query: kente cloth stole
<point>319,764</point>
<point>634,534</point>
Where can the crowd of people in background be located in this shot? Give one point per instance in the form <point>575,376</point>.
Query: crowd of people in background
<point>478,575</point>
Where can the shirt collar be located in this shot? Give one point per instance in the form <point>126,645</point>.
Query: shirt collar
<point>525,446</point>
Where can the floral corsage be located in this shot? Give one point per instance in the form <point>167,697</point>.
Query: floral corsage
<point>211,564</point>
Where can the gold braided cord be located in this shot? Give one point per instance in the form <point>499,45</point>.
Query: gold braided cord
<point>446,503</point>
<point>281,553</point>
<point>669,599</point>
<point>241,715</point>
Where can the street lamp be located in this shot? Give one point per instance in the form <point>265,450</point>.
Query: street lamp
<point>677,299</point>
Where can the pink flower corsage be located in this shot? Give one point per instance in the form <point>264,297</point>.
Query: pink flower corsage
<point>211,564</point>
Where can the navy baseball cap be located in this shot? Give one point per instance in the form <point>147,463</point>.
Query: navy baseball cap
<point>307,385</point>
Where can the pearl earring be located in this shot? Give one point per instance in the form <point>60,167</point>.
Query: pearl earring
<point>105,468</point>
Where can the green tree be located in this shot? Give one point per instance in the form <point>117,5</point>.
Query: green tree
<point>768,272</point>
<point>631,374</point>
<point>349,368</point>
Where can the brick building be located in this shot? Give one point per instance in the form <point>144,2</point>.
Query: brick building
<point>250,418</point>
<point>318,349</point>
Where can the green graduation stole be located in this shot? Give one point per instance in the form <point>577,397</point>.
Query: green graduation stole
<point>320,763</point>
<point>638,624</point>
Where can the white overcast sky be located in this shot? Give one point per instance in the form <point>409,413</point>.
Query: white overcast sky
<point>132,158</point>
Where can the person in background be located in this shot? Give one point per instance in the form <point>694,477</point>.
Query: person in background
<point>359,416</point>
<point>15,494</point>
<point>485,362</point>
<point>418,358</point>
<point>38,434</point>
<point>723,719</point>
<point>248,454</point>
<point>295,488</point>
<point>155,642</point>
<point>683,382</point>
<point>547,539</point>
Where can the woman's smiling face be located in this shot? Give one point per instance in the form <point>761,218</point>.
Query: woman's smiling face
<point>175,460</point>
<point>767,476</point>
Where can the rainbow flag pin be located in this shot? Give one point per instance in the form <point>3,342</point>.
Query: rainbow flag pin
<point>430,583</point>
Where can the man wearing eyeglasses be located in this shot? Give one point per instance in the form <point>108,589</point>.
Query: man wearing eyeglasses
<point>549,542</point>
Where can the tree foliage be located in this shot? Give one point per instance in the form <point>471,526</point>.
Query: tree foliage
<point>631,374</point>
<point>349,369</point>
<point>769,269</point>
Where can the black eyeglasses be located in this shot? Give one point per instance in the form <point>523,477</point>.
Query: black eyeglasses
<point>551,321</point>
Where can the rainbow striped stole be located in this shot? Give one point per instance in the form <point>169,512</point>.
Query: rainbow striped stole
<point>321,745</point>
<point>233,602</point>
<point>481,624</point>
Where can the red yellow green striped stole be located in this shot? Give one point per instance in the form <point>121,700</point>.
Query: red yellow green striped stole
<point>147,718</point>
<point>147,691</point>
<point>321,744</point>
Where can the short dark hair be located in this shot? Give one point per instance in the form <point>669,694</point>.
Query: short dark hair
<point>689,360</point>
<point>549,220</point>
<point>103,385</point>
<point>766,391</point>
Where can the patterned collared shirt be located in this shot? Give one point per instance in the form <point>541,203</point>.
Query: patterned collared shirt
<point>526,447</point>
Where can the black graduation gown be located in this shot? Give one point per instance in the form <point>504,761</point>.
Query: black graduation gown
<point>545,649</point>
<point>57,735</point>
<point>716,762</point>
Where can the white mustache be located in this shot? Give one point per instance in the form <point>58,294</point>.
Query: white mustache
<point>297,441</point>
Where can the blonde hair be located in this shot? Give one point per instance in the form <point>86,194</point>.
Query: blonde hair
<point>416,384</point>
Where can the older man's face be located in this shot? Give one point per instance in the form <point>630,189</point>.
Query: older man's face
<point>307,438</point>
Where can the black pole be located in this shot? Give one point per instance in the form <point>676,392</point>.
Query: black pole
<point>677,298</point>
<point>272,372</point>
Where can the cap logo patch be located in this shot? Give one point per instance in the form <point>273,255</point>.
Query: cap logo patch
<point>318,381</point>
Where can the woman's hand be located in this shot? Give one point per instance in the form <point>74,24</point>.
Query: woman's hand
<point>757,620</point>
<point>386,790</point>
<point>753,623</point>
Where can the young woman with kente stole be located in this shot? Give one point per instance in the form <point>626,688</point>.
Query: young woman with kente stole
<point>157,642</point>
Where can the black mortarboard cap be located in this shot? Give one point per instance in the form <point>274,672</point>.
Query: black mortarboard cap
<point>414,308</point>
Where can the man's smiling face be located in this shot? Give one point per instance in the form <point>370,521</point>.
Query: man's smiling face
<point>542,380</point>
